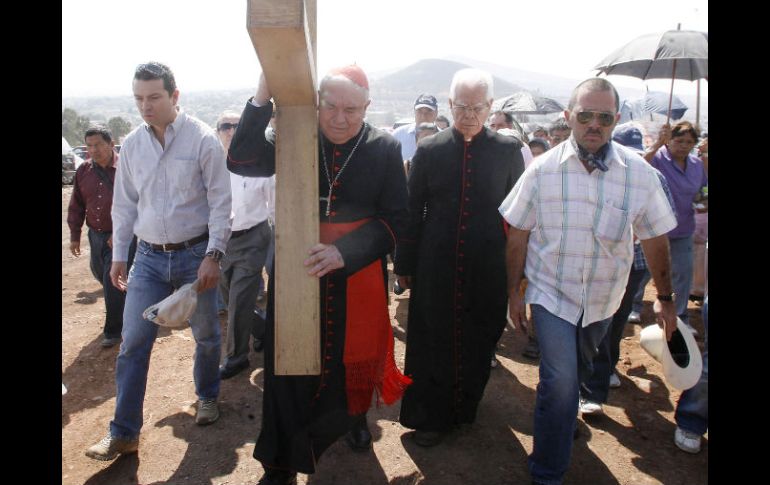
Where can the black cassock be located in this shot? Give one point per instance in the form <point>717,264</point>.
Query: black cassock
<point>454,249</point>
<point>304,415</point>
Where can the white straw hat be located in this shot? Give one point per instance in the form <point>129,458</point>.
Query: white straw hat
<point>680,357</point>
<point>176,309</point>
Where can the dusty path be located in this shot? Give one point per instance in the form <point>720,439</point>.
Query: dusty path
<point>631,445</point>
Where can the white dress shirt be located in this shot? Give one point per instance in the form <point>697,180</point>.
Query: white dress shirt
<point>253,200</point>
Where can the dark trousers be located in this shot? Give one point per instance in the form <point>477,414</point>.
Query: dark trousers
<point>101,263</point>
<point>597,386</point>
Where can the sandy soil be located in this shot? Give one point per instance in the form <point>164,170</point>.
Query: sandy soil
<point>632,444</point>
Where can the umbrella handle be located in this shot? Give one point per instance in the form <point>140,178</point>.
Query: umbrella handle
<point>671,92</point>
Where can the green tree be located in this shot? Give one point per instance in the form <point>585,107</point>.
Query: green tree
<point>119,128</point>
<point>73,126</point>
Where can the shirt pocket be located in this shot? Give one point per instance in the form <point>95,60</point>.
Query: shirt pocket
<point>612,223</point>
<point>184,173</point>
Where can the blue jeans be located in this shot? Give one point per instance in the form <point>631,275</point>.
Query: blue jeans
<point>639,295</point>
<point>101,263</point>
<point>597,386</point>
<point>692,411</point>
<point>566,355</point>
<point>681,272</point>
<point>154,276</point>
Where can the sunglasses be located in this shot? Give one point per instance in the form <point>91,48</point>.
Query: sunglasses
<point>150,67</point>
<point>605,119</point>
<point>227,126</point>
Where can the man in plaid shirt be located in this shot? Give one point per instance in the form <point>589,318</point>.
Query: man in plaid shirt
<point>571,215</point>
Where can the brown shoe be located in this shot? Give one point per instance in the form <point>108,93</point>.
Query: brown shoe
<point>110,447</point>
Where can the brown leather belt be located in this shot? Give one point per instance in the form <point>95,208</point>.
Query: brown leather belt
<point>178,246</point>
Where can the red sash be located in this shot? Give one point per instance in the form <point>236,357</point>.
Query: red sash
<point>368,355</point>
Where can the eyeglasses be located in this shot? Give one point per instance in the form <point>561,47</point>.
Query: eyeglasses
<point>227,126</point>
<point>151,67</point>
<point>470,110</point>
<point>605,119</point>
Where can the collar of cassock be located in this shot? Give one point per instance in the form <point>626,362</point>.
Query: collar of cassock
<point>595,160</point>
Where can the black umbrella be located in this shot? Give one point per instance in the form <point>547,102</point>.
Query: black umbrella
<point>675,54</point>
<point>525,103</point>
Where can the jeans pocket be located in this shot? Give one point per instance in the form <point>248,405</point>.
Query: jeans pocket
<point>143,248</point>
<point>199,250</point>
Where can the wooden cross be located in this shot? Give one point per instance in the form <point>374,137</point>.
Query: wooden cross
<point>283,33</point>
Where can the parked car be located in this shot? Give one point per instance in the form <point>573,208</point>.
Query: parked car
<point>69,163</point>
<point>67,168</point>
<point>81,151</point>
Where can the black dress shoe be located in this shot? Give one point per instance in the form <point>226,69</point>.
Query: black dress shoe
<point>428,438</point>
<point>278,477</point>
<point>359,438</point>
<point>258,344</point>
<point>226,372</point>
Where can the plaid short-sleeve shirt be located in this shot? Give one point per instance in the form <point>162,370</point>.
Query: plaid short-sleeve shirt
<point>580,248</point>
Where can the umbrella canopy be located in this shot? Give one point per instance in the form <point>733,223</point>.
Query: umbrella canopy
<point>527,103</point>
<point>652,56</point>
<point>652,102</point>
<point>657,102</point>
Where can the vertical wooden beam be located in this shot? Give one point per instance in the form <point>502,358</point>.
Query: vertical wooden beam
<point>282,36</point>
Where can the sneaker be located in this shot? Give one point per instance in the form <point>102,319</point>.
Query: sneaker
<point>590,407</point>
<point>686,441</point>
<point>614,380</point>
<point>494,363</point>
<point>634,317</point>
<point>108,342</point>
<point>110,447</point>
<point>208,411</point>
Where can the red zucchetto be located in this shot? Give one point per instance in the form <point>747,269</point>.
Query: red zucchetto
<point>354,73</point>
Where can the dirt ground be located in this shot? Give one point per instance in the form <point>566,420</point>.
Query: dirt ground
<point>632,444</point>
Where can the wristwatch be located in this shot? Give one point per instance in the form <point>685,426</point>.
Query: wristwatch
<point>668,297</point>
<point>215,254</point>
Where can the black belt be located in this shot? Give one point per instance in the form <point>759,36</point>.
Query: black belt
<point>240,233</point>
<point>178,246</point>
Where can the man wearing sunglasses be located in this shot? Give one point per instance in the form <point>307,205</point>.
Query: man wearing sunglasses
<point>453,258</point>
<point>247,250</point>
<point>171,190</point>
<point>572,214</point>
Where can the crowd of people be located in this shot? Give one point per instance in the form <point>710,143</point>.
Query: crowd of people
<point>553,231</point>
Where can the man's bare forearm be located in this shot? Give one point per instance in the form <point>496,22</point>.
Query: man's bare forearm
<point>515,257</point>
<point>656,251</point>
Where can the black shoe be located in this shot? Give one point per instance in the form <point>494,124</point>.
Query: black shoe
<point>397,288</point>
<point>278,477</point>
<point>258,344</point>
<point>532,350</point>
<point>228,371</point>
<point>359,438</point>
<point>428,438</point>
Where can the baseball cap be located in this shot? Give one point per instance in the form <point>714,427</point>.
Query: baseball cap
<point>628,135</point>
<point>426,101</point>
